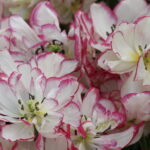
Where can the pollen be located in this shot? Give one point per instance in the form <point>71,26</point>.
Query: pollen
<point>86,141</point>
<point>146,60</point>
<point>32,111</point>
<point>105,125</point>
<point>146,57</point>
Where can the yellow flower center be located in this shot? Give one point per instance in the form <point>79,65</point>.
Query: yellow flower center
<point>146,58</point>
<point>92,131</point>
<point>86,141</point>
<point>32,111</point>
<point>105,125</point>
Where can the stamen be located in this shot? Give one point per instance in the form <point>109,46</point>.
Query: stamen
<point>37,108</point>
<point>112,29</point>
<point>140,48</point>
<point>75,132</point>
<point>43,99</point>
<point>41,49</point>
<point>56,42</point>
<point>45,114</point>
<point>114,26</point>
<point>85,117</point>
<point>107,33</point>
<point>22,107</point>
<point>33,111</point>
<point>19,101</point>
<point>31,97</point>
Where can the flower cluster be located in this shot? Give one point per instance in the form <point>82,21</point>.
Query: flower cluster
<point>85,89</point>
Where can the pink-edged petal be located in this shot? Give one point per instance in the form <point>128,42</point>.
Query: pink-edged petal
<point>118,140</point>
<point>18,87</point>
<point>110,62</point>
<point>53,83</point>
<point>140,129</point>
<point>50,64</point>
<point>9,119</point>
<point>25,37</point>
<point>55,65</point>
<point>142,73</point>
<point>71,114</point>
<point>78,96</point>
<point>49,104</point>
<point>89,102</point>
<point>18,131</point>
<point>28,75</point>
<point>25,70</point>
<point>132,86</point>
<point>4,40</point>
<point>43,14</point>
<point>8,101</point>
<point>137,106</point>
<point>50,32</point>
<point>38,87</point>
<point>142,36</point>
<point>67,90</point>
<point>108,105</point>
<point>122,48</point>
<point>132,13</point>
<point>127,31</point>
<point>40,142</point>
<point>103,18</point>
<point>85,24</point>
<point>50,124</point>
<point>7,65</point>
<point>67,66</point>
<point>100,46</point>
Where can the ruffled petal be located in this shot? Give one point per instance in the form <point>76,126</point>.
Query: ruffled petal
<point>109,61</point>
<point>89,102</point>
<point>8,102</point>
<point>38,17</point>
<point>72,114</point>
<point>55,65</point>
<point>126,10</point>
<point>103,18</point>
<point>137,106</point>
<point>18,131</point>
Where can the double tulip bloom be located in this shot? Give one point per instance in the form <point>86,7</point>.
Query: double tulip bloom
<point>85,89</point>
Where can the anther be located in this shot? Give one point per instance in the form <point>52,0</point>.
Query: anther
<point>43,99</point>
<point>85,117</point>
<point>37,108</point>
<point>45,114</point>
<point>37,103</point>
<point>19,101</point>
<point>107,33</point>
<point>114,26</point>
<point>75,132</point>
<point>31,97</point>
<point>22,107</point>
<point>140,48</point>
<point>145,46</point>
